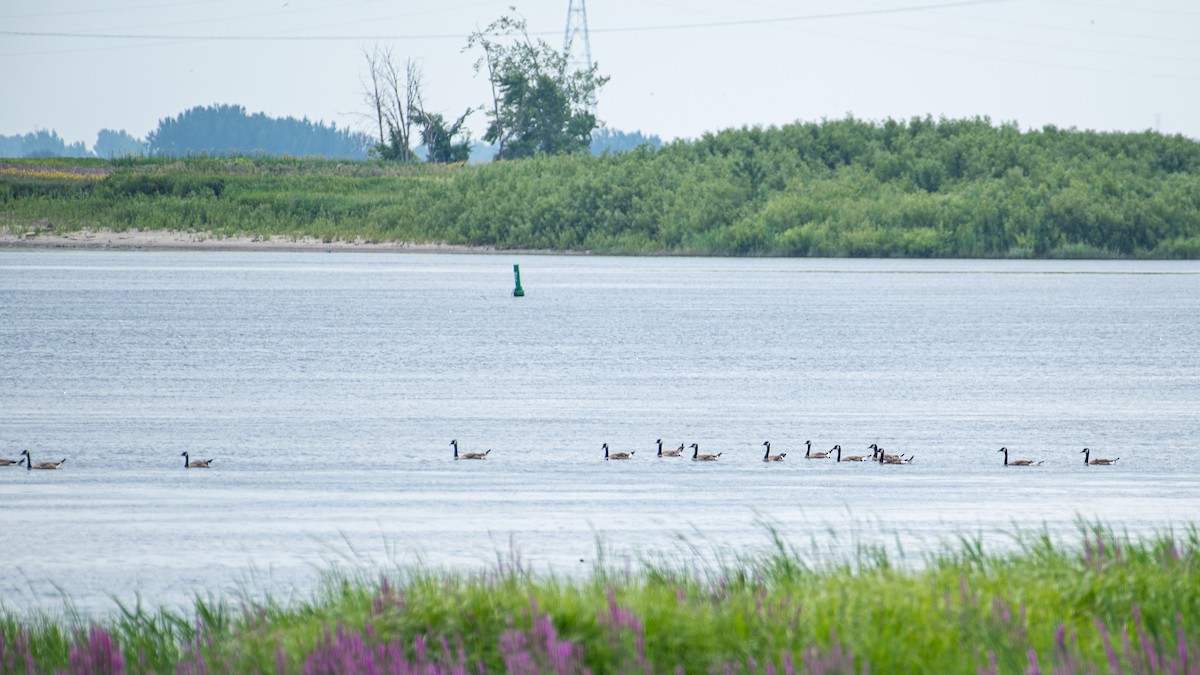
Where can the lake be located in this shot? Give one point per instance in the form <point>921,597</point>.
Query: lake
<point>327,387</point>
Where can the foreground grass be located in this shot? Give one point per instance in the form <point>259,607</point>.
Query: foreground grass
<point>1108,604</point>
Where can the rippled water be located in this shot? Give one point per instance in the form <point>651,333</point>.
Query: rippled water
<point>327,387</point>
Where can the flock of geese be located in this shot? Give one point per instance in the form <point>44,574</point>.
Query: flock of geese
<point>877,455</point>
<point>1086,452</point>
<point>31,465</point>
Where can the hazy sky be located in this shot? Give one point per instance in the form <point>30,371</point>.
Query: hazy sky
<point>678,68</point>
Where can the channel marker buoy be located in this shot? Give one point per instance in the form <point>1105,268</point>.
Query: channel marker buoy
<point>518,292</point>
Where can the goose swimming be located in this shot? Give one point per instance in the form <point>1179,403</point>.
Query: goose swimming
<point>669,453</point>
<point>1087,453</point>
<point>697,457</point>
<point>1017,462</point>
<point>195,463</point>
<point>809,454</point>
<point>468,455</point>
<point>893,459</point>
<point>768,457</point>
<point>617,455</point>
<point>41,466</point>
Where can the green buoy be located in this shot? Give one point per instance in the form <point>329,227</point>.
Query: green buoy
<point>518,292</point>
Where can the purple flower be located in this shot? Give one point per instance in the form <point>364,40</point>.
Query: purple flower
<point>100,656</point>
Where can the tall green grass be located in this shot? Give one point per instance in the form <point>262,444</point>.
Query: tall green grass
<point>1107,603</point>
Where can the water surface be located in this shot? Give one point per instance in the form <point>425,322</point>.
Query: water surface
<point>327,387</point>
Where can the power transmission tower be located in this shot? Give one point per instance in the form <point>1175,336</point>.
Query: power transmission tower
<point>576,27</point>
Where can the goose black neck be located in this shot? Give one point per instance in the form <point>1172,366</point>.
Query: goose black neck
<point>660,447</point>
<point>768,452</point>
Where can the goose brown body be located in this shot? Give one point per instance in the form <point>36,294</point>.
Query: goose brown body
<point>768,457</point>
<point>848,458</point>
<point>697,457</point>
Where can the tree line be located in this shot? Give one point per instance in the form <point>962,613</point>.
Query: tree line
<point>42,144</point>
<point>194,133</point>
<point>218,130</point>
<point>228,130</point>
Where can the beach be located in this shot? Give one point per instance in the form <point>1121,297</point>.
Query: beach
<point>47,237</point>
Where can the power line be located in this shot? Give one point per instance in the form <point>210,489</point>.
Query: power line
<point>458,36</point>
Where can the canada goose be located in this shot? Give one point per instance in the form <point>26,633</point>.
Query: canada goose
<point>768,457</point>
<point>469,455</point>
<point>29,465</point>
<point>809,454</point>
<point>10,462</point>
<point>1017,462</point>
<point>893,459</point>
<point>195,463</point>
<point>617,455</point>
<point>669,453</point>
<point>697,457</point>
<point>877,451</point>
<point>1087,453</point>
<point>848,458</point>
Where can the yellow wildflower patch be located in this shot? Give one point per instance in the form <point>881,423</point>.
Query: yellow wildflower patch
<point>54,173</point>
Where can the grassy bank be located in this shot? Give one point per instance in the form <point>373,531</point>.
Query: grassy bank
<point>916,188</point>
<point>1106,604</point>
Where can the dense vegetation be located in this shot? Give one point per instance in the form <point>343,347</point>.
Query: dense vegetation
<point>835,188</point>
<point>1109,605</point>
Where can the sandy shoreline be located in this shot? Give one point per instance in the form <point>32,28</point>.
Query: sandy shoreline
<point>198,241</point>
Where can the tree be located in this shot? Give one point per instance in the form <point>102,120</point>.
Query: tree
<point>538,106</point>
<point>394,94</point>
<point>112,144</point>
<point>438,139</point>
